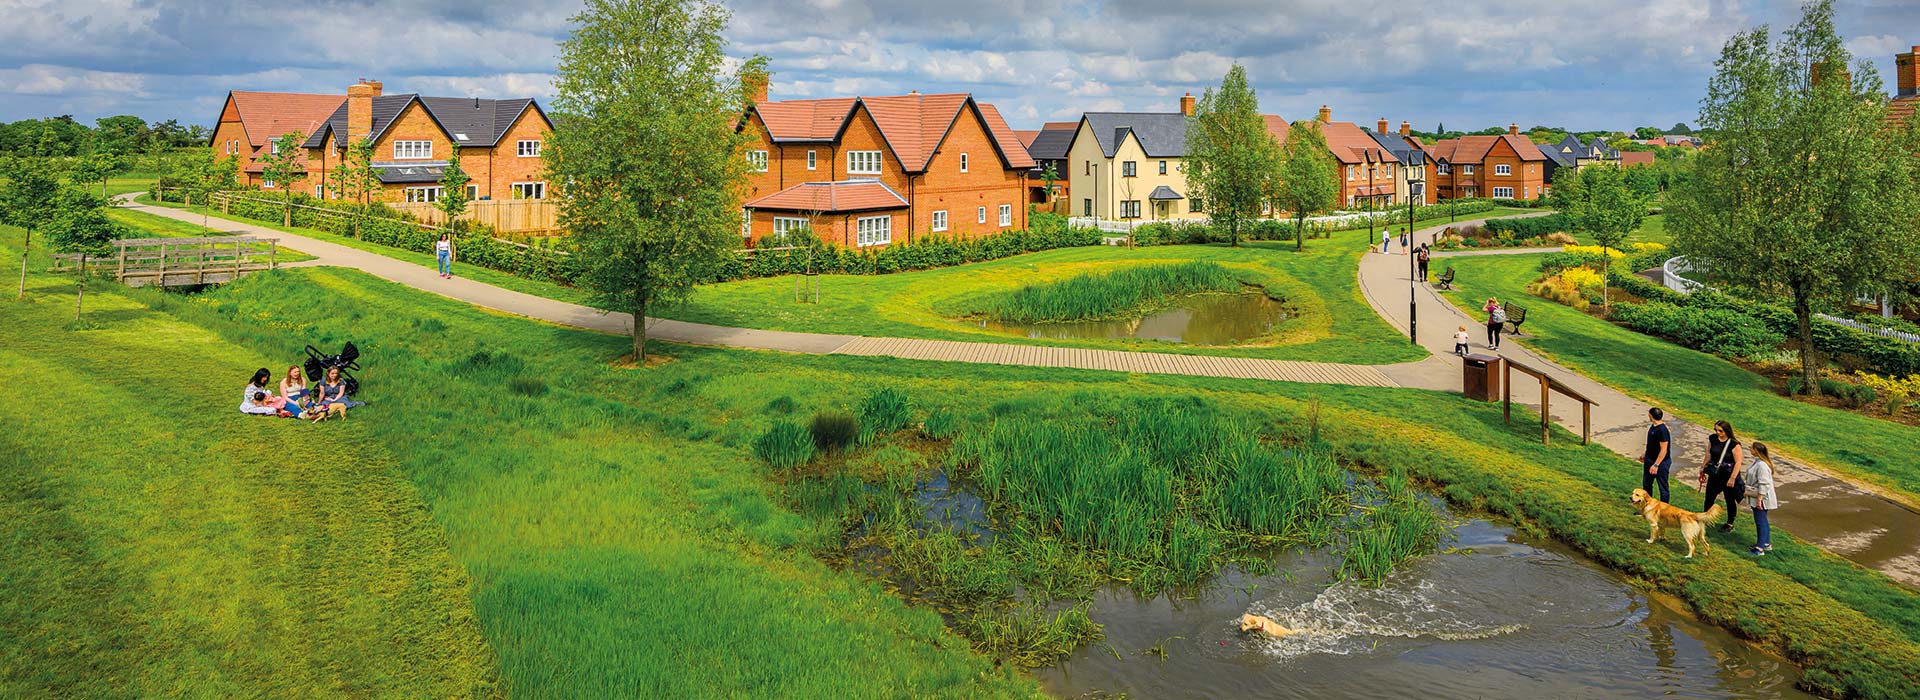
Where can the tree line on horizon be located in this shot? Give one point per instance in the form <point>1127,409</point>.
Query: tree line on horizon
<point>120,135</point>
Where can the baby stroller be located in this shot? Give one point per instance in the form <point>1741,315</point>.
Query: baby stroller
<point>319,362</point>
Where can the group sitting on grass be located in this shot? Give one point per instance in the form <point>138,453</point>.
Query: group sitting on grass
<point>328,399</point>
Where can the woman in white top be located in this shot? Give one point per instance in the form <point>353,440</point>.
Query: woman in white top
<point>443,250</point>
<point>253,399</point>
<point>1761,498</point>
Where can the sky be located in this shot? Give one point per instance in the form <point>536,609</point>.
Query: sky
<point>1467,64</point>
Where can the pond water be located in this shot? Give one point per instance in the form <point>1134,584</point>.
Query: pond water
<point>1198,319</point>
<point>1507,618</point>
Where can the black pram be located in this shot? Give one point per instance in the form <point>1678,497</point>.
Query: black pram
<point>319,362</point>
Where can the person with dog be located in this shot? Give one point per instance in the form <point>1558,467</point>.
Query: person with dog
<point>1658,458</point>
<point>1720,472</point>
<point>1763,500</point>
<point>333,392</point>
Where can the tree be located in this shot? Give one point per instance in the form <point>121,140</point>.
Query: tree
<point>1309,180</point>
<point>1599,202</point>
<point>357,180</point>
<point>1647,132</point>
<point>79,224</point>
<point>1231,157</point>
<point>1803,190</point>
<point>1049,176</point>
<point>654,171</point>
<point>1680,128</point>
<point>97,167</point>
<point>453,195</point>
<point>120,135</point>
<point>284,163</point>
<point>29,188</point>
<point>207,174</point>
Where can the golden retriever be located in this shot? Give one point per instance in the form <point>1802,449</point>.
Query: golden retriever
<point>1659,514</point>
<point>1264,625</point>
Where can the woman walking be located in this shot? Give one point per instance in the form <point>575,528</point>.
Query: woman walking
<point>1496,318</point>
<point>1720,472</point>
<point>1763,500</point>
<point>443,250</point>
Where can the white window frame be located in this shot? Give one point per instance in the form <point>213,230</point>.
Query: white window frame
<point>813,159</point>
<point>981,215</point>
<point>963,162</point>
<point>423,195</point>
<point>784,224</point>
<point>413,149</point>
<point>864,162</point>
<point>746,223</point>
<point>273,147</point>
<point>1502,169</point>
<point>873,230</point>
<point>940,220</point>
<point>1130,209</point>
<point>527,148</point>
<point>1466,170</point>
<point>757,160</point>
<point>1006,215</point>
<point>529,190</point>
<point>1498,193</point>
<point>1443,169</point>
<point>1352,170</point>
<point>266,183</point>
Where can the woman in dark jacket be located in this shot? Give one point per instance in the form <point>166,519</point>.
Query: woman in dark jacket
<point>1720,471</point>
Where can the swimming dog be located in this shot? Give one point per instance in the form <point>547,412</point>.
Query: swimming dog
<point>1264,625</point>
<point>1659,514</point>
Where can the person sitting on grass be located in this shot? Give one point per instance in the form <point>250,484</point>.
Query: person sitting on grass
<point>333,391</point>
<point>253,397</point>
<point>294,387</point>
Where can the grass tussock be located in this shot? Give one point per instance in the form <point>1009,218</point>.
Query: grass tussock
<point>1106,295</point>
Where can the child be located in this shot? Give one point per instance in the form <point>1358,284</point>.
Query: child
<point>1460,342</point>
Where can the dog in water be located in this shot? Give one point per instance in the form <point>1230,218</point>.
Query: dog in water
<point>1264,625</point>
<point>1658,514</point>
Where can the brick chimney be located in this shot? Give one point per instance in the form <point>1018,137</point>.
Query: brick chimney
<point>756,88</point>
<point>360,109</point>
<point>1906,74</point>
<point>1406,129</point>
<point>1820,69</point>
<point>1381,128</point>
<point>1326,115</point>
<point>1513,129</point>
<point>1186,104</point>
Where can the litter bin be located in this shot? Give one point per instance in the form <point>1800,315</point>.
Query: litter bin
<point>1480,379</point>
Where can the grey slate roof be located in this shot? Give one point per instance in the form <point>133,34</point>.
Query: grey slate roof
<point>482,122</point>
<point>1572,150</point>
<point>1052,144</point>
<point>1398,146</point>
<point>1164,193</point>
<point>410,173</point>
<point>1161,134</point>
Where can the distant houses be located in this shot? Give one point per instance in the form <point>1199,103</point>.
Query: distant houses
<point>1367,168</point>
<point>1411,177</point>
<point>1131,166</point>
<point>1573,154</point>
<point>1048,146</point>
<point>1508,166</point>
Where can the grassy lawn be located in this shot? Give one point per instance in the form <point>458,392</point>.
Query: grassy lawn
<point>1696,385</point>
<point>150,226</point>
<point>1652,230</point>
<point>1330,321</point>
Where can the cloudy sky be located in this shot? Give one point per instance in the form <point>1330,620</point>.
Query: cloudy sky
<point>1468,63</point>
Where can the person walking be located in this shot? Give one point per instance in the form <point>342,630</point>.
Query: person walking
<point>443,251</point>
<point>1386,240</point>
<point>1658,458</point>
<point>1720,472</point>
<point>1763,499</point>
<point>1496,319</point>
<point>1422,258</point>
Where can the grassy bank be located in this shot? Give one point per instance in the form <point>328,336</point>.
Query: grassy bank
<point>1696,385</point>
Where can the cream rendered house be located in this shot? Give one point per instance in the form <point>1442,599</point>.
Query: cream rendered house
<point>1128,166</point>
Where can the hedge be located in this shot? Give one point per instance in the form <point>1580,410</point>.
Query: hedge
<point>1048,232</point>
<point>1889,356</point>
<point>1528,227</point>
<point>1719,331</point>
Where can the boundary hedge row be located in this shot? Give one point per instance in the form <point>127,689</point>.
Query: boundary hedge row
<point>1885,355</point>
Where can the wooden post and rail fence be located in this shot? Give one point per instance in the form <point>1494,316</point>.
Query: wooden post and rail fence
<point>1547,385</point>
<point>173,262</point>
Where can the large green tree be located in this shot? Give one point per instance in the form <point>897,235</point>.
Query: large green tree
<point>206,174</point>
<point>1803,190</point>
<point>1231,157</point>
<point>1309,180</point>
<point>1599,202</point>
<point>29,192</point>
<point>120,135</point>
<point>285,162</point>
<point>650,170</point>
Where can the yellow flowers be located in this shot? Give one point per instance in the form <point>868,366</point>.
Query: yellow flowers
<point>1896,391</point>
<point>1581,278</point>
<point>1643,247</point>
<point>1595,250</point>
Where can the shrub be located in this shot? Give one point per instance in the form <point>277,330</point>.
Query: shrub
<point>1529,227</point>
<point>1594,250</point>
<point>884,411</point>
<point>1554,262</point>
<point>833,429</point>
<point>1581,278</point>
<point>781,405</point>
<point>1718,331</point>
<point>785,445</point>
<point>1557,289</point>
<point>527,386</point>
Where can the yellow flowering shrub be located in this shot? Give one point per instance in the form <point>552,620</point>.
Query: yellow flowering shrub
<point>1645,246</point>
<point>1592,250</point>
<point>1581,278</point>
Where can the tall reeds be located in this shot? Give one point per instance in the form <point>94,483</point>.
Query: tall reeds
<point>1108,295</point>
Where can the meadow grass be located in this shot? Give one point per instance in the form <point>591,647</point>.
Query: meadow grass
<point>1697,386</point>
<point>1122,293</point>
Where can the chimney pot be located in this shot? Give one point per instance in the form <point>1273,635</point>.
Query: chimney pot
<point>1186,104</point>
<point>1382,126</point>
<point>1513,129</point>
<point>757,89</point>
<point>360,109</point>
<point>1406,129</point>
<point>1326,114</point>
<point>1906,72</point>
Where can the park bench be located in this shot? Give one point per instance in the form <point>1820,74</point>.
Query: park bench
<point>1446,279</point>
<point>1516,315</point>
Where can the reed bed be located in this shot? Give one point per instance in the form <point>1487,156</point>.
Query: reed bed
<point>1401,527</point>
<point>1107,295</point>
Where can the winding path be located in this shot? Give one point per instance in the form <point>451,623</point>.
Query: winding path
<point>1845,518</point>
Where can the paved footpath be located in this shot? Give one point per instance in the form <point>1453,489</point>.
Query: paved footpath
<point>1843,517</point>
<point>1838,515</point>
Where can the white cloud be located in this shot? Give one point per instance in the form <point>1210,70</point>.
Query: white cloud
<point>45,80</point>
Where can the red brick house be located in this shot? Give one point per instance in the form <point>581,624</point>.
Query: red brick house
<point>251,121</point>
<point>499,140</point>
<point>1906,87</point>
<point>1367,169</point>
<point>866,172</point>
<point>1508,166</point>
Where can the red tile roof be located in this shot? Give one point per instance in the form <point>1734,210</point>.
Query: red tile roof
<point>1474,149</point>
<point>1027,136</point>
<point>269,115</point>
<point>1349,143</point>
<point>1632,158</point>
<point>1276,126</point>
<point>912,125</point>
<point>1902,109</point>
<point>843,196</point>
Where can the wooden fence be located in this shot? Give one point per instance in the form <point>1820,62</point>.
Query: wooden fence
<point>170,262</point>
<point>526,216</point>
<point>225,200</point>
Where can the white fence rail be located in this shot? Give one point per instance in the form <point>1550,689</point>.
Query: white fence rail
<point>1670,276</point>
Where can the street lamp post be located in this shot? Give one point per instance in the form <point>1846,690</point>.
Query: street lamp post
<point>1415,186</point>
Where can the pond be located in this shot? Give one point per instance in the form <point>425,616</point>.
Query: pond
<point>1197,319</point>
<point>1504,618</point>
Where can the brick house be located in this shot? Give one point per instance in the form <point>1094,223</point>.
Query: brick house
<point>251,121</point>
<point>1906,87</point>
<point>499,140</point>
<point>1508,166</point>
<point>1367,169</point>
<point>868,171</point>
<point>1409,180</point>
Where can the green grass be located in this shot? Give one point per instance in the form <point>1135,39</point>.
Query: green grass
<point>1120,293</point>
<point>1695,385</point>
<point>147,225</point>
<point>1653,229</point>
<point>621,539</point>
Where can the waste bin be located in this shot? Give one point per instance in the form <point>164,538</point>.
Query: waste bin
<point>1480,378</point>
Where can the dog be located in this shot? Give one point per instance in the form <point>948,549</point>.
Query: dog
<point>1264,625</point>
<point>1692,525</point>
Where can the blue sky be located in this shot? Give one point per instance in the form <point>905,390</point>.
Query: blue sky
<point>1467,64</point>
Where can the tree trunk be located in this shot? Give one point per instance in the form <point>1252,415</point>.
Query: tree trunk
<point>1803,319</point>
<point>1299,233</point>
<point>24,247</point>
<point>639,330</point>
